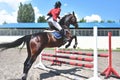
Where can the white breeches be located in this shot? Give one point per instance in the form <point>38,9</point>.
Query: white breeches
<point>56,24</point>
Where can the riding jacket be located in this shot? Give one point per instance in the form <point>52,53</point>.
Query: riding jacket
<point>54,13</point>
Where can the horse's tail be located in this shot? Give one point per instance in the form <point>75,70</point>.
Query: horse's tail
<point>15,43</point>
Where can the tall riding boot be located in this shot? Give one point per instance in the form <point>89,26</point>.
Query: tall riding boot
<point>62,32</point>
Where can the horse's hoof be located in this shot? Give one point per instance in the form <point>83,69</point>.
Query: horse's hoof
<point>74,46</point>
<point>24,78</point>
<point>66,46</point>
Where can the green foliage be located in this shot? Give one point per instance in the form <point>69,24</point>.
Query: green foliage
<point>102,21</point>
<point>25,13</point>
<point>41,19</point>
<point>4,22</point>
<point>82,20</point>
<point>95,21</point>
<point>110,21</point>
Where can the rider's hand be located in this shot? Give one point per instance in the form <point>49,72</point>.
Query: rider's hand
<point>58,17</point>
<point>55,20</point>
<point>47,17</point>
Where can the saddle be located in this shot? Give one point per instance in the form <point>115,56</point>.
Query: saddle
<point>55,33</point>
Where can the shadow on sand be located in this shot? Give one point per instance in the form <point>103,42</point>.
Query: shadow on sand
<point>55,72</point>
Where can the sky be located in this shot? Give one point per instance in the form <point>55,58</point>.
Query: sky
<point>88,9</point>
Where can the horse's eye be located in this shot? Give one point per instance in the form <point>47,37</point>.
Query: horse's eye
<point>73,20</point>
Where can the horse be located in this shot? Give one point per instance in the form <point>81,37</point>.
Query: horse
<point>36,42</point>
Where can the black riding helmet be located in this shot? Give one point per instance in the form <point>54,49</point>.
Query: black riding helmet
<point>58,4</point>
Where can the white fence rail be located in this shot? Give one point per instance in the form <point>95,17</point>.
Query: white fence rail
<point>84,42</point>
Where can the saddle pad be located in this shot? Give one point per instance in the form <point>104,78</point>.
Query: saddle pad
<point>49,31</point>
<point>57,35</point>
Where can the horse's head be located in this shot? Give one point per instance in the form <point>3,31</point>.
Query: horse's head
<point>69,19</point>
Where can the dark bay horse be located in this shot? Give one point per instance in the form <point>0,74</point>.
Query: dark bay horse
<point>35,43</point>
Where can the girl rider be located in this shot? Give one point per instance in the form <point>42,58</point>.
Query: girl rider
<point>54,15</point>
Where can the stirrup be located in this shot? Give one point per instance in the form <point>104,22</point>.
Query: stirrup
<point>62,32</point>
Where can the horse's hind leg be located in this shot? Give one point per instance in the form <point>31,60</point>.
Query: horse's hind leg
<point>26,68</point>
<point>28,63</point>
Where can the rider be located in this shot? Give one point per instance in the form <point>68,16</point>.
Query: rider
<point>54,15</point>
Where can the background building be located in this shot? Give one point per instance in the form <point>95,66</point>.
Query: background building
<point>84,33</point>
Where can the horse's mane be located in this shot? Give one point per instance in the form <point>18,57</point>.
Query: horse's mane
<point>63,18</point>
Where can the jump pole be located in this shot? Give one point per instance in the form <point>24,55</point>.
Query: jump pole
<point>110,70</point>
<point>95,60</point>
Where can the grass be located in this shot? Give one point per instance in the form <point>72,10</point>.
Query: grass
<point>79,49</point>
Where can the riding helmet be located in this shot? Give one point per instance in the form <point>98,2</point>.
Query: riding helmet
<point>58,4</point>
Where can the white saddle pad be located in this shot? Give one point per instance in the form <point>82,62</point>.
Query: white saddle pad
<point>49,31</point>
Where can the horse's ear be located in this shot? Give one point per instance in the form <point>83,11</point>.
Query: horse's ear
<point>73,13</point>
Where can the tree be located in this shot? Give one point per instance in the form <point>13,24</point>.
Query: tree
<point>95,21</point>
<point>41,19</point>
<point>25,13</point>
<point>110,21</point>
<point>82,20</point>
<point>4,22</point>
<point>102,21</point>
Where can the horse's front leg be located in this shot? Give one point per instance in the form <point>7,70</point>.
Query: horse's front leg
<point>76,42</point>
<point>69,42</point>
